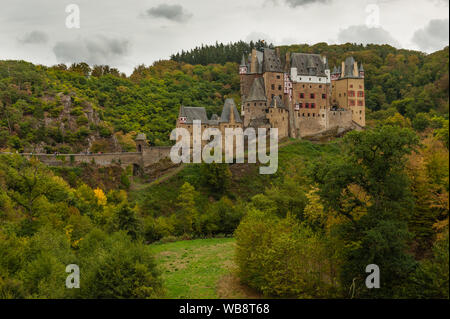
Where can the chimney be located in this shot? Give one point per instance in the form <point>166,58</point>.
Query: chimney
<point>343,70</point>
<point>253,63</point>
<point>287,65</point>
<point>277,52</point>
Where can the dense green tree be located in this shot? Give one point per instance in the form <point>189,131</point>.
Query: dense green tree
<point>370,188</point>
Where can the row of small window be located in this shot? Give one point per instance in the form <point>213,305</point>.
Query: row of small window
<point>279,87</point>
<point>312,96</point>
<point>352,93</point>
<point>351,86</point>
<point>352,102</point>
<point>307,105</point>
<point>320,86</point>
<point>260,104</point>
<point>310,115</point>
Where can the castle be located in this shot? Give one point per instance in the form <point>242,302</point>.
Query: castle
<point>301,96</point>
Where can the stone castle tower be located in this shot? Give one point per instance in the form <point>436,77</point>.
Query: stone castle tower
<point>300,97</point>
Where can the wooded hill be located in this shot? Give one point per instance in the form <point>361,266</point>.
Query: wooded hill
<point>59,108</point>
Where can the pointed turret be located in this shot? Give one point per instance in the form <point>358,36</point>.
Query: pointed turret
<point>361,71</point>
<point>243,69</point>
<point>243,63</point>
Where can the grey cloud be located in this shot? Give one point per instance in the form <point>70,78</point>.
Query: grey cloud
<point>170,12</point>
<point>434,36</point>
<point>96,50</point>
<point>34,37</point>
<point>365,35</point>
<point>300,3</point>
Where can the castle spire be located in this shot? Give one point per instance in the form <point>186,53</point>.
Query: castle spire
<point>243,60</point>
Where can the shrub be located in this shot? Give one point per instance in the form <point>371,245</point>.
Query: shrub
<point>279,257</point>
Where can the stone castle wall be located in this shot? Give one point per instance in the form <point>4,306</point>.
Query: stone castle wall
<point>325,120</point>
<point>149,156</point>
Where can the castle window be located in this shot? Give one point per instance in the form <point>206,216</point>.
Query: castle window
<point>323,115</point>
<point>302,95</point>
<point>324,96</point>
<point>278,77</point>
<point>314,114</point>
<point>351,93</point>
<point>307,105</point>
<point>351,102</point>
<point>360,93</point>
<point>255,104</point>
<point>360,86</point>
<point>248,104</point>
<point>351,86</point>
<point>312,96</point>
<point>320,86</point>
<point>360,103</point>
<point>273,95</point>
<point>300,105</point>
<point>279,87</point>
<point>303,114</point>
<point>309,114</point>
<point>273,86</point>
<point>313,105</point>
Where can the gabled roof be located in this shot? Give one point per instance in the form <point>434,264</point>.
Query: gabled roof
<point>308,64</point>
<point>277,103</point>
<point>228,108</point>
<point>272,62</point>
<point>257,91</point>
<point>193,113</point>
<point>361,68</point>
<point>214,119</point>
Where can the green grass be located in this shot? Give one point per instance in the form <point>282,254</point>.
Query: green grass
<point>192,269</point>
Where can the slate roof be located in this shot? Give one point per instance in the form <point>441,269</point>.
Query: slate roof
<point>308,64</point>
<point>349,65</point>
<point>277,102</point>
<point>214,119</point>
<point>257,91</point>
<point>259,61</point>
<point>243,63</point>
<point>229,107</point>
<point>361,68</point>
<point>141,137</point>
<point>272,62</point>
<point>193,113</point>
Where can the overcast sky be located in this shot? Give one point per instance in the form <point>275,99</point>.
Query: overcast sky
<point>124,34</point>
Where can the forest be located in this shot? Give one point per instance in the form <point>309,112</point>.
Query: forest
<point>378,196</point>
